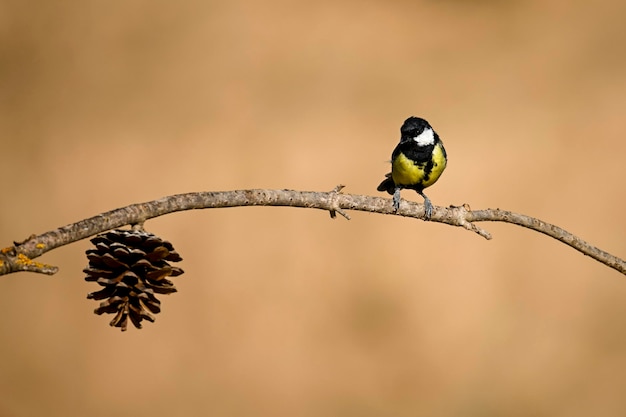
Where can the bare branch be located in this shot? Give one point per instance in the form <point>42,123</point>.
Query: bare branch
<point>562,235</point>
<point>19,256</point>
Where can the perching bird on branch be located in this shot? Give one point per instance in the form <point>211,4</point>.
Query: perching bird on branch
<point>416,163</point>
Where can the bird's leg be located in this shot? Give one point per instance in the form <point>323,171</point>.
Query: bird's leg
<point>396,199</point>
<point>428,206</point>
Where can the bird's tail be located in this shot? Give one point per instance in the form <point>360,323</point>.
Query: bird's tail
<point>387,184</point>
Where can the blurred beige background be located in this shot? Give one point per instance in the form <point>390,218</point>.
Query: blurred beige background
<point>283,312</point>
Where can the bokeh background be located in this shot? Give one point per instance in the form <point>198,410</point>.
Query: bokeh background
<point>283,312</point>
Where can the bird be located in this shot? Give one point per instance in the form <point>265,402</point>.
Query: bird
<point>417,162</point>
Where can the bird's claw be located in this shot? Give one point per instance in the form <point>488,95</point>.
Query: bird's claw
<point>428,209</point>
<point>396,200</point>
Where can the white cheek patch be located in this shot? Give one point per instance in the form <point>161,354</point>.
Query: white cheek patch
<point>427,137</point>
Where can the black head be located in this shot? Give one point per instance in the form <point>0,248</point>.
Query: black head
<point>413,127</point>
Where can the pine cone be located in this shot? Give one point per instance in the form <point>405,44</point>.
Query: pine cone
<point>132,266</point>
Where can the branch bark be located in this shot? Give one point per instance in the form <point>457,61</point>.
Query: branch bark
<point>19,257</point>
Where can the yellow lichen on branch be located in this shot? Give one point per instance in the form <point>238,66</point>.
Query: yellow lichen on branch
<point>25,260</point>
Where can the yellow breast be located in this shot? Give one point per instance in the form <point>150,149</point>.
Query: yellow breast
<point>405,172</point>
<point>439,164</point>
